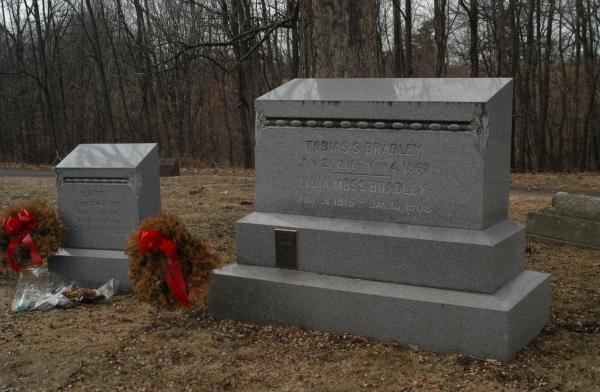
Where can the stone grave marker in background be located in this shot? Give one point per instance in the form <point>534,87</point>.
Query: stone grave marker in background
<point>573,219</point>
<point>169,167</point>
<point>381,210</point>
<point>104,191</point>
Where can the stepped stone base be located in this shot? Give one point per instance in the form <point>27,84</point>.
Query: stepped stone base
<point>448,258</point>
<point>492,326</point>
<point>91,267</point>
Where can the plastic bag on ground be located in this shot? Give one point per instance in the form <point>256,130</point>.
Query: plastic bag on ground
<point>35,291</point>
<point>109,288</point>
<point>90,296</point>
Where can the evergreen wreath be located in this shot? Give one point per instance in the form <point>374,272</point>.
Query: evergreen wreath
<point>167,265</point>
<point>31,232</point>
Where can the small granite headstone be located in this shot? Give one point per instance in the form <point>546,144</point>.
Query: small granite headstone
<point>382,210</point>
<point>169,167</point>
<point>573,219</point>
<point>104,191</point>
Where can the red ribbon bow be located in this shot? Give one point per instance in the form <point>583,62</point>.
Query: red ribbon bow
<point>19,228</point>
<point>154,241</point>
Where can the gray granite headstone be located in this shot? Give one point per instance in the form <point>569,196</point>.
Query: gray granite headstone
<point>382,209</point>
<point>573,219</point>
<point>419,151</point>
<point>104,191</point>
<point>169,167</point>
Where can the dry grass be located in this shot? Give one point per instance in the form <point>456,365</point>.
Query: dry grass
<point>583,182</point>
<point>125,345</point>
<point>24,166</point>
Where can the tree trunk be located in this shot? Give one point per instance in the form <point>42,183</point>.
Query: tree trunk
<point>399,61</point>
<point>343,40</point>
<point>474,48</point>
<point>98,57</point>
<point>295,67</point>
<point>245,88</point>
<point>439,28</point>
<point>44,82</point>
<point>544,146</point>
<point>529,89</point>
<point>408,37</point>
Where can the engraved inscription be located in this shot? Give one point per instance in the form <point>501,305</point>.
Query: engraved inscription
<point>364,174</point>
<point>99,209</point>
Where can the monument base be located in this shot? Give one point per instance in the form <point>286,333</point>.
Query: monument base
<point>91,267</point>
<point>565,229</point>
<point>492,326</point>
<point>479,261</point>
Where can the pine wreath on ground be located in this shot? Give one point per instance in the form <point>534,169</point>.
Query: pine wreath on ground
<point>37,218</point>
<point>148,270</point>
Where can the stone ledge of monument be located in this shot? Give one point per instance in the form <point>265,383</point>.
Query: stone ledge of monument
<point>486,326</point>
<point>459,259</point>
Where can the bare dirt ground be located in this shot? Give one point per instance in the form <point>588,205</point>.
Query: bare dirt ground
<point>125,344</point>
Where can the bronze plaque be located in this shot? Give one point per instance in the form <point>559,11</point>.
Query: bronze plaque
<point>286,248</point>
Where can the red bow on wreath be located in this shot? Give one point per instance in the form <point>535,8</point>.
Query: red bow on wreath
<point>18,227</point>
<point>153,240</point>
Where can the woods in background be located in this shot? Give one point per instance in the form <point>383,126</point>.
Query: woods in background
<point>185,73</point>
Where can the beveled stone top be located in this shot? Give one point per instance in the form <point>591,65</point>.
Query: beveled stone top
<point>472,90</point>
<point>109,156</point>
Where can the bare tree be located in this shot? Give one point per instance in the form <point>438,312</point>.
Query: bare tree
<point>185,73</point>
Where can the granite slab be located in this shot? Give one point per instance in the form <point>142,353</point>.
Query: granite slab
<point>404,155</point>
<point>459,259</point>
<point>549,225</point>
<point>485,326</point>
<point>105,190</point>
<point>91,267</point>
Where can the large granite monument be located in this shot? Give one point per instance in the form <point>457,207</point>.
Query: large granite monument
<point>381,210</point>
<point>104,191</point>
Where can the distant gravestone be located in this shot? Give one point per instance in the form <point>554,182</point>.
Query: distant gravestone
<point>382,210</point>
<point>104,191</point>
<point>573,219</point>
<point>169,167</point>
